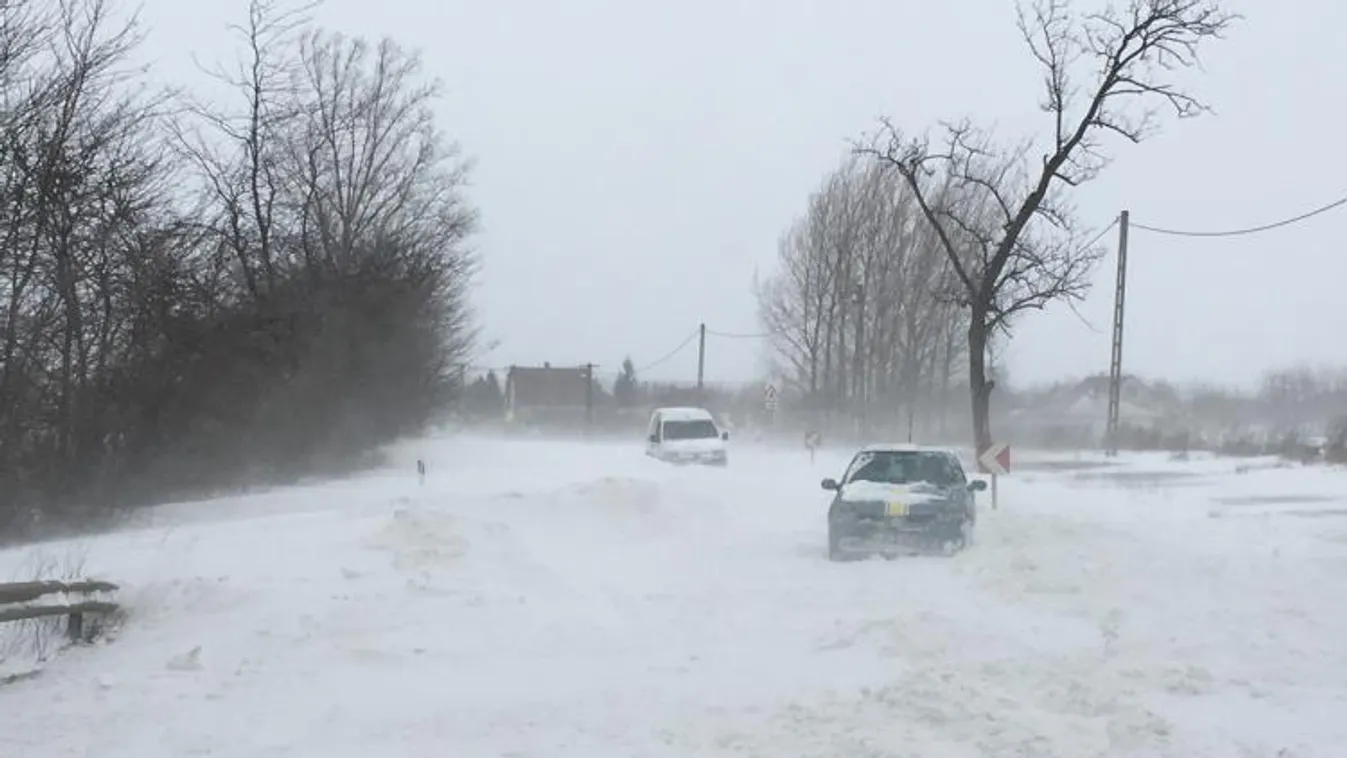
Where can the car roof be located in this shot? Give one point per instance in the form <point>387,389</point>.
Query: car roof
<point>903,447</point>
<point>684,414</point>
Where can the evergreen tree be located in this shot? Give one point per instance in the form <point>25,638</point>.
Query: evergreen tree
<point>624,389</point>
<point>492,394</point>
<point>484,397</point>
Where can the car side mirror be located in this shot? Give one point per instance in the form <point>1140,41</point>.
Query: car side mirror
<point>654,439</point>
<point>831,485</point>
<point>725,436</point>
<point>977,485</point>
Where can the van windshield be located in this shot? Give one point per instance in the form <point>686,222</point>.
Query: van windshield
<point>699,429</point>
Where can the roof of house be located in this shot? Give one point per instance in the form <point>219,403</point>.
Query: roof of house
<point>551,387</point>
<point>1087,399</point>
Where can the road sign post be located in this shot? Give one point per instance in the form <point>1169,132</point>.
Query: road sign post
<point>769,401</point>
<point>812,440</point>
<point>994,459</point>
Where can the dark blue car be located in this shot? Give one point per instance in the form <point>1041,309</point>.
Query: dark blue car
<point>901,498</point>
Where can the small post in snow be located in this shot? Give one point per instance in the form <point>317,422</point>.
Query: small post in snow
<point>421,472</point>
<point>994,460</point>
<point>812,440</point>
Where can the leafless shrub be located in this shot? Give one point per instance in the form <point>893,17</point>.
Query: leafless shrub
<point>26,644</point>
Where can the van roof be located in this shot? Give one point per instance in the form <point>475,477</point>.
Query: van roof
<point>684,414</point>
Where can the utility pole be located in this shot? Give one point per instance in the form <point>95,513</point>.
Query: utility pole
<point>858,378</point>
<point>1115,363</point>
<point>701,363</point>
<point>589,397</point>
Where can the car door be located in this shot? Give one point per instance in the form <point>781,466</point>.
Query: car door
<point>961,479</point>
<point>652,436</point>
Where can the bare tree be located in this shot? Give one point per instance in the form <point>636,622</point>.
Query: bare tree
<point>27,32</point>
<point>790,304</point>
<point>1001,212</point>
<point>238,151</point>
<point>1303,395</point>
<point>368,156</point>
<point>379,214</point>
<point>283,291</point>
<point>81,182</point>
<point>853,309</point>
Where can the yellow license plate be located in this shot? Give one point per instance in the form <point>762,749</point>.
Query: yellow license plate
<point>897,508</point>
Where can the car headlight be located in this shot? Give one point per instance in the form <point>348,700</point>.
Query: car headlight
<point>951,508</point>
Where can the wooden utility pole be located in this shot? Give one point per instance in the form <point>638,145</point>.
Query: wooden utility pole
<point>1115,363</point>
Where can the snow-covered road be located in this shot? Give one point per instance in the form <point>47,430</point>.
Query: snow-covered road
<point>555,600</point>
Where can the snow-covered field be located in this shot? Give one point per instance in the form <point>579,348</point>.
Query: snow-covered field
<point>552,600</point>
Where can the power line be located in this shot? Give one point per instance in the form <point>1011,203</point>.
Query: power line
<point>767,335</point>
<point>1083,249</point>
<point>1251,230</point>
<point>1111,226</point>
<point>671,354</point>
<point>740,336</point>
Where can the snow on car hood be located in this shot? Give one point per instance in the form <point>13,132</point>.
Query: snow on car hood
<point>911,493</point>
<point>708,445</point>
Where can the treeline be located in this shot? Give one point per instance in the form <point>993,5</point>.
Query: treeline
<point>1298,412</point>
<point>1291,408</point>
<point>863,309</point>
<point>198,293</point>
<point>1304,396</point>
<point>1304,399</point>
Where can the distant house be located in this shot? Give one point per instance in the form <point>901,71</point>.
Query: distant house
<point>548,394</point>
<point>1079,411</point>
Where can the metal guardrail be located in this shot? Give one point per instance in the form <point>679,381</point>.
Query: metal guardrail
<point>20,601</point>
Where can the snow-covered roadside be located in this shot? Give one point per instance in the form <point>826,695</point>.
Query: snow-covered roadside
<point>542,599</point>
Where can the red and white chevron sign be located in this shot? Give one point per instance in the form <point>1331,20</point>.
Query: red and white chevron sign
<point>994,459</point>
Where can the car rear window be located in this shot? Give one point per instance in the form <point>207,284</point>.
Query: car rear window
<point>905,467</point>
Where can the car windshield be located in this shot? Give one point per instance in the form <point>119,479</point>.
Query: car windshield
<point>697,429</point>
<point>905,467</point>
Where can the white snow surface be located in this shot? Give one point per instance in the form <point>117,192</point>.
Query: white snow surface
<point>555,600</point>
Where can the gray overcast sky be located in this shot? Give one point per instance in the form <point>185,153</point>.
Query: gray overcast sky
<point>636,162</point>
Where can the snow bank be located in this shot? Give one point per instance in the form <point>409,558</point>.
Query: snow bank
<point>543,599</point>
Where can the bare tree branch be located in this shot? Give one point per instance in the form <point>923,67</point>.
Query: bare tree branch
<point>1002,220</point>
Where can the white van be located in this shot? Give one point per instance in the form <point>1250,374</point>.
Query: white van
<point>686,435</point>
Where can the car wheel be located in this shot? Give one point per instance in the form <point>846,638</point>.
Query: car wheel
<point>966,533</point>
<point>836,552</point>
